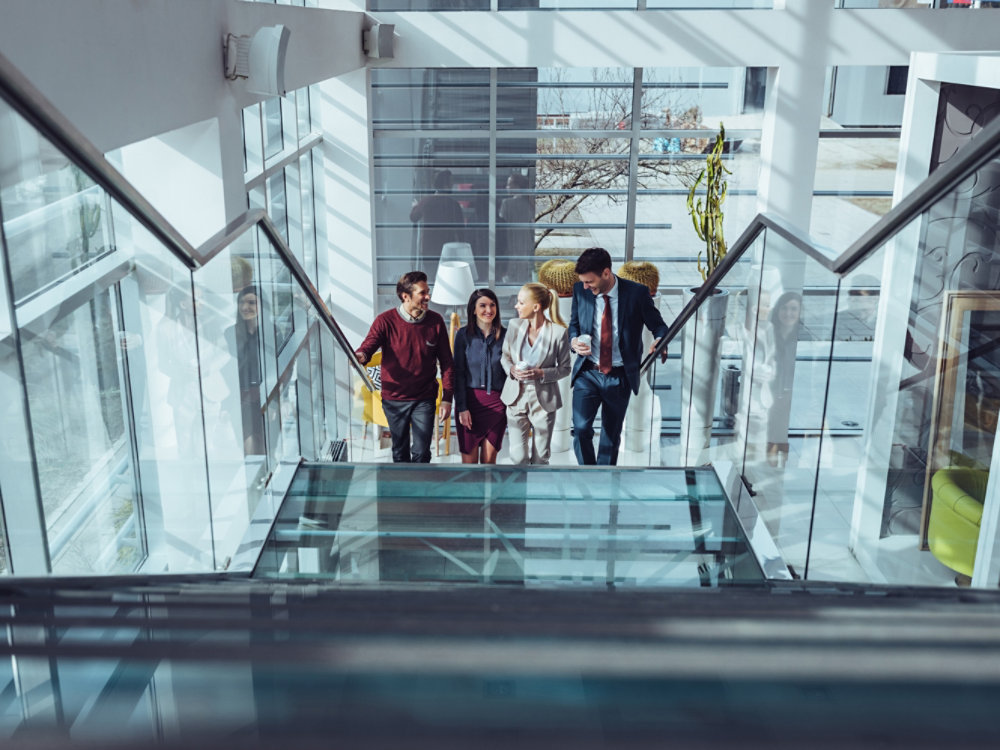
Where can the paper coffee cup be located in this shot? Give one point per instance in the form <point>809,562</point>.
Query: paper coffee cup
<point>522,365</point>
<point>583,340</point>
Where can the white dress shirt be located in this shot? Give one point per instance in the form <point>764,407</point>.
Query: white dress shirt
<point>595,344</point>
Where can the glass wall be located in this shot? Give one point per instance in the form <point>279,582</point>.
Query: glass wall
<point>959,4</point>
<point>280,154</point>
<point>117,361</point>
<point>427,5</point>
<point>563,165</point>
<point>857,152</point>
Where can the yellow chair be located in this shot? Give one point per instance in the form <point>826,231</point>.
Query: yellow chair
<point>371,401</point>
<point>956,514</point>
<point>373,413</point>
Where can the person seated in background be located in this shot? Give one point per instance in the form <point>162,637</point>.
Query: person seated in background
<point>414,342</point>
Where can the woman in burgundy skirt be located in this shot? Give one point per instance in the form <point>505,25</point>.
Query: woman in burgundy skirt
<point>479,378</point>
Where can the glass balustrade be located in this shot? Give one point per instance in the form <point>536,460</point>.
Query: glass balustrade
<point>760,383</point>
<point>858,411</point>
<point>540,526</point>
<point>147,408</point>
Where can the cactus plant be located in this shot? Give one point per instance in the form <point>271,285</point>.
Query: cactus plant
<point>706,213</point>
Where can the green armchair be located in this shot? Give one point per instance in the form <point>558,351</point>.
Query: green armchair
<point>956,513</point>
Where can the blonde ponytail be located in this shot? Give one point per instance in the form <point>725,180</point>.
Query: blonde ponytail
<point>548,299</point>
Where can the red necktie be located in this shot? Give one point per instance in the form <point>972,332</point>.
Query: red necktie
<point>606,336</point>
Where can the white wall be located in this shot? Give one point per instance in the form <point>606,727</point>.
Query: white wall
<point>860,98</point>
<point>125,71</point>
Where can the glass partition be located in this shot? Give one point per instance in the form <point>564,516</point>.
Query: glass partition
<point>568,166</point>
<point>752,381</point>
<point>55,219</point>
<point>924,512</point>
<point>147,409</point>
<point>544,526</point>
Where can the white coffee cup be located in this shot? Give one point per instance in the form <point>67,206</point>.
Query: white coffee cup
<point>522,365</point>
<point>584,339</point>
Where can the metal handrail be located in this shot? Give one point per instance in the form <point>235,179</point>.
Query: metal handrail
<point>42,115</point>
<point>760,223</point>
<point>944,179</point>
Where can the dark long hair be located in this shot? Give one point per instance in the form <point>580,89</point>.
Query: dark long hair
<point>473,326</point>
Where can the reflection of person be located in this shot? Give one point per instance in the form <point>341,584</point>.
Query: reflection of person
<point>518,241</point>
<point>780,342</point>
<point>414,341</point>
<point>613,312</point>
<point>247,332</point>
<point>178,361</point>
<point>479,377</point>
<point>441,219</point>
<point>535,357</point>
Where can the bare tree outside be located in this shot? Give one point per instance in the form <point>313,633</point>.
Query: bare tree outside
<point>602,163</point>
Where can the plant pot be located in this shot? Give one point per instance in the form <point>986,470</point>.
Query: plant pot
<point>701,343</point>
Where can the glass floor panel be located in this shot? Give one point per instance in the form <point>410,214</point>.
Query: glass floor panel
<point>537,526</point>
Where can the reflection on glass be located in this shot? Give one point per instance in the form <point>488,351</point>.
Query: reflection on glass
<point>302,108</point>
<point>289,122</point>
<point>272,126</point>
<point>83,453</point>
<point>551,527</point>
<point>309,259</point>
<point>246,333</point>
<point>277,207</point>
<point>293,196</point>
<point>55,219</point>
<point>289,448</point>
<point>253,150</point>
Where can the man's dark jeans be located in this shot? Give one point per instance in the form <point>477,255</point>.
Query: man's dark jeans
<point>401,415</point>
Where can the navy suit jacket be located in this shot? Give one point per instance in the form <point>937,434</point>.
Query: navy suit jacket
<point>635,310</point>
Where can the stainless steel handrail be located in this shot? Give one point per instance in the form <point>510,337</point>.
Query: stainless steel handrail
<point>42,115</point>
<point>944,179</point>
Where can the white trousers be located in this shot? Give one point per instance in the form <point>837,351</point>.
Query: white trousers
<point>528,422</point>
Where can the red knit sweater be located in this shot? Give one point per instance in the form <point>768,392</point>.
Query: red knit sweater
<point>411,353</point>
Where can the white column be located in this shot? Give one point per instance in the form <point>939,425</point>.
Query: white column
<point>346,183</point>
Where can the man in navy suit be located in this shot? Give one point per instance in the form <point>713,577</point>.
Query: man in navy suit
<point>612,311</point>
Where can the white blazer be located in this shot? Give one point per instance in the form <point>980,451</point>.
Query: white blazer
<point>553,360</point>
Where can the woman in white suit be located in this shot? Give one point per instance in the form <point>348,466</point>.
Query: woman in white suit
<point>535,358</point>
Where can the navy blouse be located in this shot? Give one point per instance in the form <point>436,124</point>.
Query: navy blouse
<point>477,364</point>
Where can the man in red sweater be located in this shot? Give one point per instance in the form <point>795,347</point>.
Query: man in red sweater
<point>414,341</point>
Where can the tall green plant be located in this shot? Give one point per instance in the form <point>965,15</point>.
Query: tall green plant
<point>706,213</point>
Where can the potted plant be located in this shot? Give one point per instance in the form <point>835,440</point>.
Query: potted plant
<point>702,339</point>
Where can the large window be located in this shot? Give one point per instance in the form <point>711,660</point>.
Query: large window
<point>280,155</point>
<point>525,165</point>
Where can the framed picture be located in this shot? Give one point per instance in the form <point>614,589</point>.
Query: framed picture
<point>966,388</point>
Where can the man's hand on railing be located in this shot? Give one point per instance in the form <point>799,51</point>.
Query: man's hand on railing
<point>652,348</point>
<point>360,357</point>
